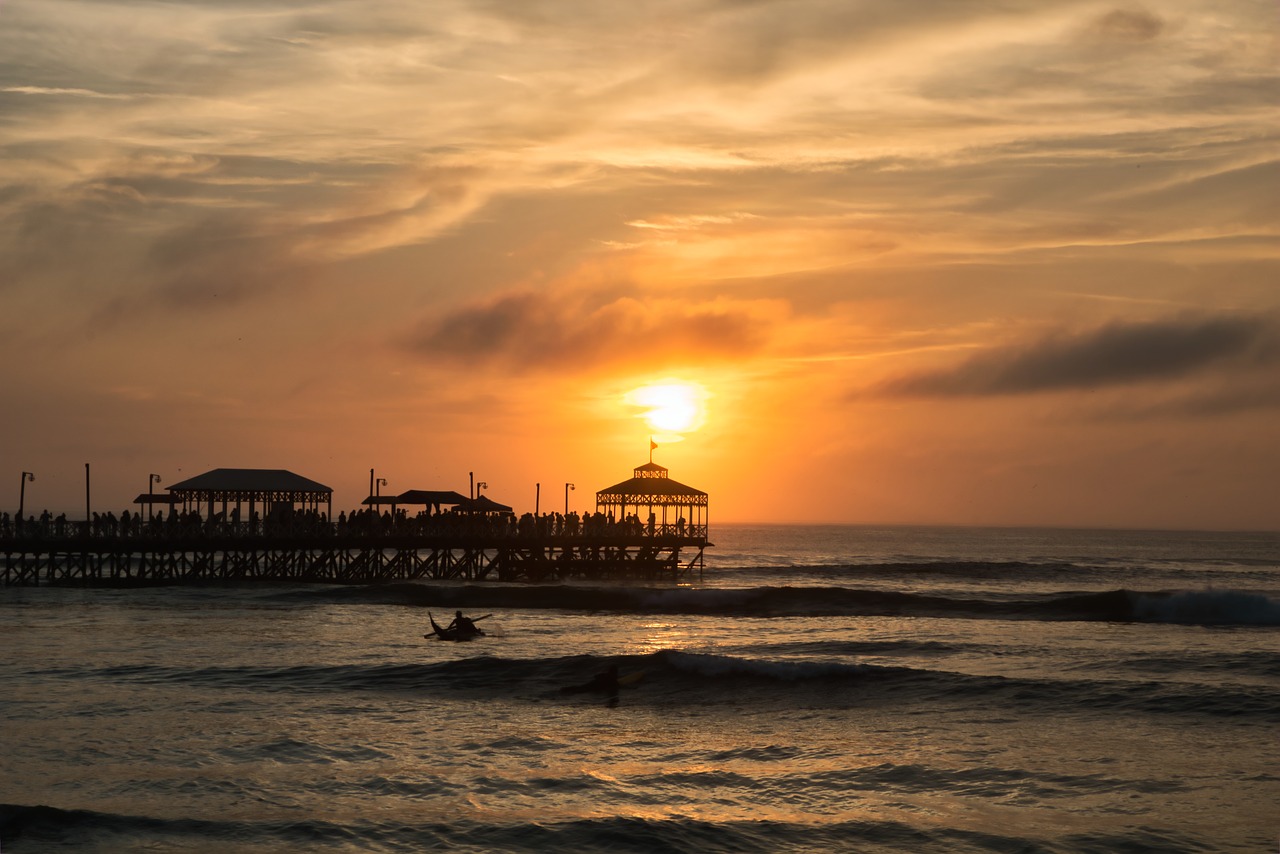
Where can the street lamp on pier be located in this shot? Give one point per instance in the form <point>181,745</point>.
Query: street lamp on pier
<point>377,487</point>
<point>152,480</point>
<point>567,487</point>
<point>22,495</point>
<point>479,486</point>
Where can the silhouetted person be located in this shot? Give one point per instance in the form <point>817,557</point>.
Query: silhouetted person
<point>463,624</point>
<point>605,682</point>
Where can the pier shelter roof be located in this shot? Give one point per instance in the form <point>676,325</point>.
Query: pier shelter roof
<point>482,504</point>
<point>672,507</point>
<point>431,497</point>
<point>651,485</point>
<point>266,486</point>
<point>156,498</point>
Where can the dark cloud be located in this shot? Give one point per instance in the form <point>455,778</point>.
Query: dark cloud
<point>167,232</point>
<point>542,331</point>
<point>1118,354</point>
<point>1130,25</point>
<point>1254,394</point>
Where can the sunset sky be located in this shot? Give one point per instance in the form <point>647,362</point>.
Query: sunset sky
<point>1012,263</point>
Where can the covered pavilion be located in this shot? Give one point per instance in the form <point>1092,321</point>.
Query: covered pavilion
<point>432,499</point>
<point>264,488</point>
<point>665,502</point>
<point>483,505</point>
<point>150,499</point>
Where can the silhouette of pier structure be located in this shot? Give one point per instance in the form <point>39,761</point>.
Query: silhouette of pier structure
<point>241,525</point>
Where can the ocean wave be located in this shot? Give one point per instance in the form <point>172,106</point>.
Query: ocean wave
<point>828,648</point>
<point>38,827</point>
<point>1207,608</point>
<point>1204,607</point>
<point>820,683</point>
<point>682,678</point>
<point>1256,664</point>
<point>42,827</point>
<point>922,567</point>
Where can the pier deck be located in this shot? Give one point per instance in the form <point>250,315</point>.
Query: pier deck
<point>347,558</point>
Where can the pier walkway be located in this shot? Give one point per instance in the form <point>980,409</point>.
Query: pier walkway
<point>284,536</point>
<point>312,550</point>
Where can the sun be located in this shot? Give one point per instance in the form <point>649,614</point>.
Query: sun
<point>670,406</point>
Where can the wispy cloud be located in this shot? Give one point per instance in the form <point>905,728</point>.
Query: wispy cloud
<point>48,90</point>
<point>585,332</point>
<point>1117,354</point>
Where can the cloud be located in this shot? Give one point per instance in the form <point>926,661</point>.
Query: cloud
<point>1114,355</point>
<point>45,90</point>
<point>1126,25</point>
<point>166,231</point>
<point>529,331</point>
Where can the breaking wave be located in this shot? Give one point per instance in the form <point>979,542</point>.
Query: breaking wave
<point>1203,607</point>
<point>43,827</point>
<point>680,677</point>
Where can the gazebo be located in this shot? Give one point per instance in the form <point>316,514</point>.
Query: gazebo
<point>150,499</point>
<point>667,502</point>
<point>483,505</point>
<point>267,488</point>
<point>432,499</point>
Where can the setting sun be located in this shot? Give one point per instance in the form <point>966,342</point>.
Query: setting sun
<point>671,406</point>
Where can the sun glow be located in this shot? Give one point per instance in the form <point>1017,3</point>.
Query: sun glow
<point>671,406</point>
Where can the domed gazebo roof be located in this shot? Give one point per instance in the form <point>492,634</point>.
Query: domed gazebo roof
<point>671,507</point>
<point>650,485</point>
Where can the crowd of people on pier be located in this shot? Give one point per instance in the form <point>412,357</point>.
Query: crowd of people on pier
<point>284,520</point>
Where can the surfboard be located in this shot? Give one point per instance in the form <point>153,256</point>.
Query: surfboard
<point>631,678</point>
<point>595,686</point>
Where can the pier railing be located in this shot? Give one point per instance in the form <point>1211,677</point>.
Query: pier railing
<point>366,549</point>
<point>192,526</point>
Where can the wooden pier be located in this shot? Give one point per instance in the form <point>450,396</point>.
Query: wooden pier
<point>83,560</point>
<point>649,527</point>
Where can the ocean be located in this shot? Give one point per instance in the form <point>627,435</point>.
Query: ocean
<point>819,689</point>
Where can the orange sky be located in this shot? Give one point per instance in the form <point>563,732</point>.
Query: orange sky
<point>935,262</point>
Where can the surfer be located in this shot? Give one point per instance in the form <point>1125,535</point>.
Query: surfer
<point>605,682</point>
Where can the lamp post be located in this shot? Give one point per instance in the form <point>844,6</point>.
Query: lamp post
<point>377,486</point>
<point>152,480</point>
<point>479,486</point>
<point>22,496</point>
<point>567,487</point>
